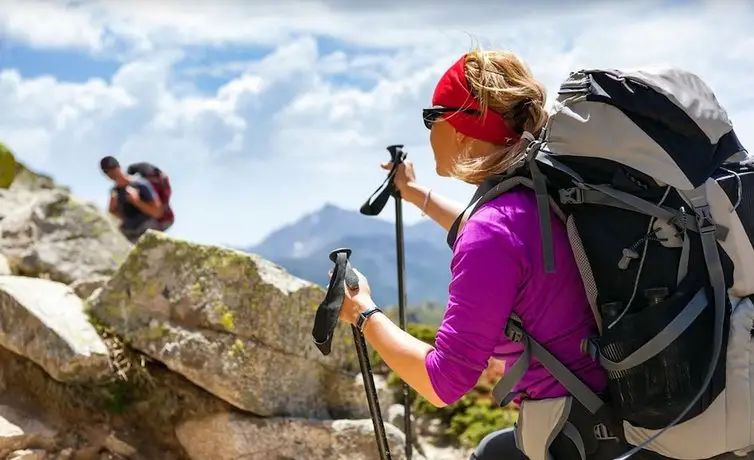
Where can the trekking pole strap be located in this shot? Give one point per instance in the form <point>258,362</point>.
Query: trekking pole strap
<point>376,202</point>
<point>328,312</point>
<point>502,390</point>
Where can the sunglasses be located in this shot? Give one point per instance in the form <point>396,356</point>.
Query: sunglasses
<point>433,114</point>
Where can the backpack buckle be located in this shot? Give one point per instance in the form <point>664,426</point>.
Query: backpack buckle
<point>704,221</point>
<point>514,329</point>
<point>602,433</point>
<point>573,195</point>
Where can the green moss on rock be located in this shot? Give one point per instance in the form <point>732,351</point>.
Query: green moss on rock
<point>8,167</point>
<point>226,317</point>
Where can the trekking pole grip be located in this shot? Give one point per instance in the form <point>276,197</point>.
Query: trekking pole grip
<point>325,322</point>
<point>328,312</point>
<point>397,154</point>
<point>397,157</point>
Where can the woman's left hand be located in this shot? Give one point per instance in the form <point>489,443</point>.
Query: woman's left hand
<point>356,301</point>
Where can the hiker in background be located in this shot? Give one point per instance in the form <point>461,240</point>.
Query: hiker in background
<point>161,184</point>
<point>132,200</point>
<point>497,264</point>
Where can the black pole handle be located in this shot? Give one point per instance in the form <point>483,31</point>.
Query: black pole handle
<point>397,154</point>
<point>326,318</point>
<point>377,201</point>
<point>325,322</point>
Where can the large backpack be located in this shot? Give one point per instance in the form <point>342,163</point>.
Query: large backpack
<point>657,195</point>
<point>161,184</point>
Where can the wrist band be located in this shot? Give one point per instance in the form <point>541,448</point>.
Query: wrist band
<point>364,316</point>
<point>426,202</point>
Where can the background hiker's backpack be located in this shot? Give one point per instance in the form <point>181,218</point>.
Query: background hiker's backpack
<point>160,182</point>
<point>657,196</point>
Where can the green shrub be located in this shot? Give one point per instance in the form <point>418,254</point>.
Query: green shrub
<point>471,418</point>
<point>8,166</point>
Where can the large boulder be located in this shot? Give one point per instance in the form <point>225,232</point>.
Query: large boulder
<point>231,436</point>
<point>45,322</point>
<point>48,233</point>
<point>234,324</point>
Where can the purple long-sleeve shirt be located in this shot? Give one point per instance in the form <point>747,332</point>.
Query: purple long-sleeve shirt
<point>497,269</point>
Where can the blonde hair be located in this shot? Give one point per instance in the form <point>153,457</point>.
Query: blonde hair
<point>503,83</point>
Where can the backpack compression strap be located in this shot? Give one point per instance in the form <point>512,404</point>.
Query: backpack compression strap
<point>502,391</point>
<point>514,331</point>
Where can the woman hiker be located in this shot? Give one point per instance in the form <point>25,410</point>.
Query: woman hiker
<point>496,268</point>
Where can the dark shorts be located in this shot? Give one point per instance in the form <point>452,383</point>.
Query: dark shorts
<point>497,446</point>
<point>501,445</point>
<point>134,231</point>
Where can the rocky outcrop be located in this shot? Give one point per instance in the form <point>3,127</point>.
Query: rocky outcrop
<point>48,233</point>
<point>234,324</point>
<point>164,350</point>
<point>232,436</point>
<point>84,288</point>
<point>44,321</point>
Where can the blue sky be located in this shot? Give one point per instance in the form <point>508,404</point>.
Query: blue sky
<point>262,113</point>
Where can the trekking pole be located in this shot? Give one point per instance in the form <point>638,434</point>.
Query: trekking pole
<point>373,208</point>
<point>325,322</point>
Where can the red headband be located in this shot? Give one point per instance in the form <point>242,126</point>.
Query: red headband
<point>453,91</point>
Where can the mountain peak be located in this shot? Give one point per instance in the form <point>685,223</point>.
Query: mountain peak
<point>329,207</point>
<point>327,215</point>
<point>302,247</point>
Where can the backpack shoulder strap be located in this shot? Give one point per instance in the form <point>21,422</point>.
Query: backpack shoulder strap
<point>486,192</point>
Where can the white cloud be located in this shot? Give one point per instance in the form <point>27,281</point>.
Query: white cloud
<point>45,24</point>
<point>308,122</point>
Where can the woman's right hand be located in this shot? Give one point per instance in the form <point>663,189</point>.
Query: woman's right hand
<point>404,175</point>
